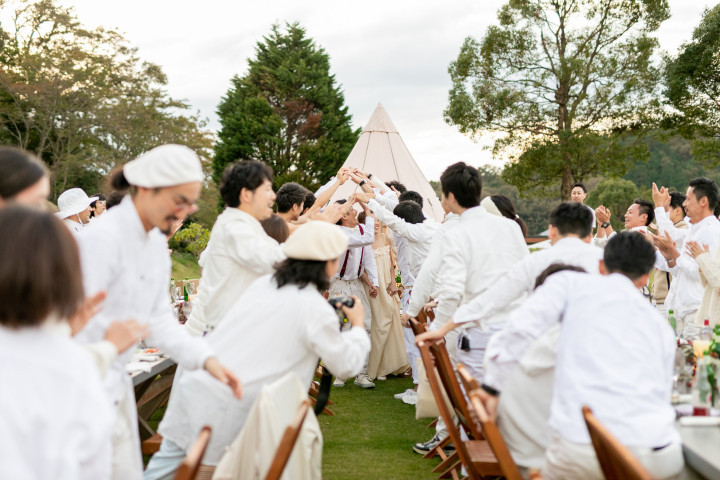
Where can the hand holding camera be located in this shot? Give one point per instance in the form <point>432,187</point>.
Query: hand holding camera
<point>350,308</point>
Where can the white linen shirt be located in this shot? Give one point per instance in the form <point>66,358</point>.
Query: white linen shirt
<point>520,281</point>
<point>686,290</point>
<point>265,334</point>
<point>664,224</point>
<point>359,253</point>
<point>426,284</point>
<point>615,355</point>
<point>602,241</point>
<point>419,236</point>
<point>480,249</point>
<point>238,253</point>
<point>55,418</point>
<point>74,227</point>
<point>133,267</point>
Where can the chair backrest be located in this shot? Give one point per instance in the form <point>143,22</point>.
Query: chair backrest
<point>189,467</point>
<point>287,443</point>
<point>469,382</point>
<point>418,327</point>
<point>509,469</point>
<point>615,460</point>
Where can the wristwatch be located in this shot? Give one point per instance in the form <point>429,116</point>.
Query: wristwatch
<point>604,224</point>
<point>362,182</point>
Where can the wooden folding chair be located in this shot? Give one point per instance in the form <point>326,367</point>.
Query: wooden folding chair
<point>287,443</point>
<point>190,466</point>
<point>475,455</point>
<point>616,461</point>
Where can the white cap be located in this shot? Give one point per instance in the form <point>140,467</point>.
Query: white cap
<point>490,206</point>
<point>164,166</point>
<point>72,202</point>
<point>316,240</point>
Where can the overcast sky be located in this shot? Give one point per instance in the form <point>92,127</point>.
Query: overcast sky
<point>394,51</point>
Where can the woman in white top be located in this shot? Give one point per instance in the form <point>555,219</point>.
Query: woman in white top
<point>709,270</point>
<point>280,324</point>
<point>54,416</point>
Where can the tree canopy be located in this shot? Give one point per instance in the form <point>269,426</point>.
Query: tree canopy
<point>82,99</point>
<point>567,88</point>
<point>287,111</point>
<point>693,88</point>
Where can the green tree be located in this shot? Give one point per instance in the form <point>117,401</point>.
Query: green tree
<point>82,99</point>
<point>566,87</point>
<point>616,194</point>
<point>287,111</point>
<point>693,88</point>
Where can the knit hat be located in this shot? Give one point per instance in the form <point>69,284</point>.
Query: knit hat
<point>164,166</point>
<point>490,206</point>
<point>316,240</point>
<point>72,202</point>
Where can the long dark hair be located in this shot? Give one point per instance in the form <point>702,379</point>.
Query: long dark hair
<point>507,209</point>
<point>302,273</point>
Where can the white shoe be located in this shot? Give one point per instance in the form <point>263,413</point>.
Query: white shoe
<point>410,398</point>
<point>338,382</point>
<point>363,381</point>
<point>381,378</point>
<point>399,396</point>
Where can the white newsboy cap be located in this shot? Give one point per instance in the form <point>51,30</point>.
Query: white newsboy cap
<point>164,166</point>
<point>316,240</point>
<point>72,202</point>
<point>490,206</point>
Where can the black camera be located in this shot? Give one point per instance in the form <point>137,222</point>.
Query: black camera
<point>342,300</point>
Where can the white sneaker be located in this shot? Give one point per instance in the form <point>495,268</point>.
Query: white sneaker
<point>363,381</point>
<point>338,382</point>
<point>399,396</point>
<point>381,378</point>
<point>410,398</point>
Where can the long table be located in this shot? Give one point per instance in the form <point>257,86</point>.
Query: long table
<point>152,390</point>
<point>701,449</point>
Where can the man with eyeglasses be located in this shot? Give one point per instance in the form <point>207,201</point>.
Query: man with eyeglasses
<point>125,254</point>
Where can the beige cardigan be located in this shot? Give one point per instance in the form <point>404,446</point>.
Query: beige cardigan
<point>710,278</point>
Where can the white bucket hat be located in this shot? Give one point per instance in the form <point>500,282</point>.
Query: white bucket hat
<point>164,166</point>
<point>72,202</point>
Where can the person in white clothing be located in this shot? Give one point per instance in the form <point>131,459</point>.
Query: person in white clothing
<point>639,215</point>
<point>358,258</point>
<point>24,179</point>
<point>701,199</point>
<point>55,418</point>
<point>578,193</point>
<point>125,254</point>
<point>301,324</point>
<point>615,355</point>
<point>74,205</point>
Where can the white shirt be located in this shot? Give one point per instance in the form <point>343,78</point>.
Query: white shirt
<point>426,285</point>
<point>686,290</point>
<point>260,345</point>
<point>602,241</point>
<point>133,267</point>
<point>74,227</point>
<point>238,253</point>
<point>594,222</point>
<point>480,249</point>
<point>359,260</point>
<point>664,224</point>
<point>520,281</point>
<point>55,418</point>
<point>419,236</point>
<point>361,236</point>
<point>615,355</point>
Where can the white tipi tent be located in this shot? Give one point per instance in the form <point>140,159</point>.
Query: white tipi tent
<point>381,151</point>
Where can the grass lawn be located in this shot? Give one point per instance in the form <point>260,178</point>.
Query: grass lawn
<point>372,434</point>
<point>184,264</point>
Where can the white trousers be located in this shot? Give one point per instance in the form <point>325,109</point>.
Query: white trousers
<point>127,460</point>
<point>564,460</point>
<point>412,351</point>
<point>354,288</point>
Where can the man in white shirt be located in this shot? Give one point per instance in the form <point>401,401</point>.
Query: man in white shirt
<point>125,254</point>
<point>615,355</point>
<point>239,250</point>
<point>290,203</point>
<point>74,205</point>
<point>578,194</point>
<point>638,217</point>
<point>700,202</point>
<point>357,259</point>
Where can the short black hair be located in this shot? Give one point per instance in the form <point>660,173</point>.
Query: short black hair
<point>309,201</point>
<point>645,207</point>
<point>507,209</point>
<point>301,273</point>
<point>579,184</point>
<point>411,195</point>
<point>342,201</point>
<point>114,199</point>
<point>397,186</point>
<point>249,174</point>
<point>704,187</point>
<point>571,218</point>
<point>464,182</point>
<point>18,170</point>
<point>288,195</point>
<point>676,200</point>
<point>409,211</point>
<point>629,253</point>
<point>101,198</point>
<point>553,269</point>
